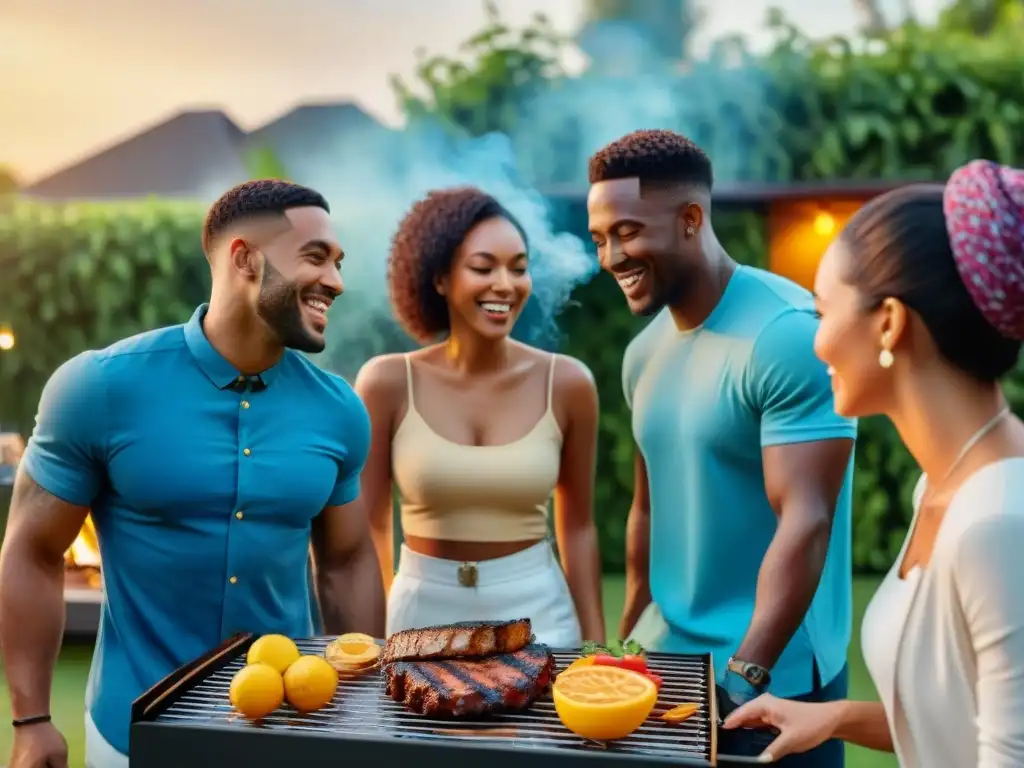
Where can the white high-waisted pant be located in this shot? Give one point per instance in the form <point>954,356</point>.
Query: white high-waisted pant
<point>98,751</point>
<point>528,584</point>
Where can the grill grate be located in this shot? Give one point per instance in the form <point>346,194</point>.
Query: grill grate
<point>361,711</point>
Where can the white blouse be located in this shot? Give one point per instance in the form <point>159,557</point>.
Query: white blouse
<point>882,627</point>
<point>945,646</point>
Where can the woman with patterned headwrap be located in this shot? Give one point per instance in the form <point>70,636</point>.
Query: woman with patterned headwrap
<point>922,305</point>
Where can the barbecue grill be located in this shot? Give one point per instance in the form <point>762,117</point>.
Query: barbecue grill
<point>186,720</point>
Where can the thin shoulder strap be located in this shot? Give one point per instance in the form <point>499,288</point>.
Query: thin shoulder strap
<point>551,379</point>
<point>408,380</point>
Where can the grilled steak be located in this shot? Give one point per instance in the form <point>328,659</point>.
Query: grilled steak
<point>461,687</point>
<point>465,639</point>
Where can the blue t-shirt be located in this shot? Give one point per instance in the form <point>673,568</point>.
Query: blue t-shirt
<point>202,492</point>
<point>705,403</point>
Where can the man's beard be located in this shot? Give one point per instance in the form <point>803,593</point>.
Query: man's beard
<point>280,307</point>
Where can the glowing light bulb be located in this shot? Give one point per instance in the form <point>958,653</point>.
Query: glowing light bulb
<point>6,338</point>
<point>824,224</point>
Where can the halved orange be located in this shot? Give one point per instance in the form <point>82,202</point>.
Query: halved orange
<point>583,661</point>
<point>603,703</point>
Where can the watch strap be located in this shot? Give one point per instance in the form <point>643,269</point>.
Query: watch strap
<point>756,676</point>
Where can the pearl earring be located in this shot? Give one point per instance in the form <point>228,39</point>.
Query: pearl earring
<point>690,231</point>
<point>886,359</point>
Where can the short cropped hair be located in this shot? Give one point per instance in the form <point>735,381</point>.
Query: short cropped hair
<point>653,157</point>
<point>423,249</point>
<point>254,199</point>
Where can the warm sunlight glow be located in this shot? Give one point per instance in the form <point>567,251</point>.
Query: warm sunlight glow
<point>6,338</point>
<point>824,224</point>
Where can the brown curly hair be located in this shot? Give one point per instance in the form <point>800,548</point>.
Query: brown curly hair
<point>653,156</point>
<point>423,249</point>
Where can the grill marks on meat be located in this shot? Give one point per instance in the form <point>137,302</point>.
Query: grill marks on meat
<point>461,687</point>
<point>466,639</point>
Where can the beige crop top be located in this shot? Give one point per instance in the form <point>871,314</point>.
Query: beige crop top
<point>459,492</point>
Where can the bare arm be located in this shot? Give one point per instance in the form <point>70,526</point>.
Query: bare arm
<point>803,726</point>
<point>377,387</point>
<point>862,723</point>
<point>638,548</point>
<point>803,481</point>
<point>574,499</point>
<point>40,528</point>
<point>348,581</point>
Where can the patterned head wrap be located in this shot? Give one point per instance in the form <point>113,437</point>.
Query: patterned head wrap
<point>984,208</point>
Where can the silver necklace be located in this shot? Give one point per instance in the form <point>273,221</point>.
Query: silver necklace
<point>976,438</point>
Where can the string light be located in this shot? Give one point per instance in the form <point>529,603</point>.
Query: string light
<point>824,224</point>
<point>6,338</point>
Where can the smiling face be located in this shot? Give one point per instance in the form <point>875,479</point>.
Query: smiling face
<point>488,283</point>
<point>851,337</point>
<point>301,279</point>
<point>646,242</point>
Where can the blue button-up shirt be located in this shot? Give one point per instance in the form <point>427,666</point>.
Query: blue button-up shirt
<point>203,485</point>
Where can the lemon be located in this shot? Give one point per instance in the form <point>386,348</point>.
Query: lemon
<point>352,652</point>
<point>256,690</point>
<point>309,683</point>
<point>603,703</point>
<point>275,651</point>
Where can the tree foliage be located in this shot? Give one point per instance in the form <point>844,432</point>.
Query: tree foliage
<point>481,89</point>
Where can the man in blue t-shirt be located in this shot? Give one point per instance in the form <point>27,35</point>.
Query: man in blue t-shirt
<point>211,454</point>
<point>739,534</point>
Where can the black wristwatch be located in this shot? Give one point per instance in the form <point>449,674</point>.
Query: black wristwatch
<point>756,676</point>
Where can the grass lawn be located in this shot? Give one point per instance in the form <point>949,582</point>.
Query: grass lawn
<point>73,668</point>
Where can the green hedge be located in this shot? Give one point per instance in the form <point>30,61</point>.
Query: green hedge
<point>86,275</point>
<point>82,276</point>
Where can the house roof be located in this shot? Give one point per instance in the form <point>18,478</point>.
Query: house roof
<point>199,151</point>
<point>175,158</point>
<point>310,124</point>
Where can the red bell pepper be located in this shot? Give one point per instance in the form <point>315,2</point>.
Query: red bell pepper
<point>654,679</point>
<point>632,663</point>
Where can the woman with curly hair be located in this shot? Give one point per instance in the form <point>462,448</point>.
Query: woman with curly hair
<point>478,432</point>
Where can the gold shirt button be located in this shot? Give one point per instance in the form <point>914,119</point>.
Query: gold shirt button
<point>239,514</point>
<point>247,452</point>
<point>245,404</point>
<point>233,579</point>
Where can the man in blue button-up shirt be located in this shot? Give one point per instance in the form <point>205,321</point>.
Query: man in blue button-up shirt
<point>211,454</point>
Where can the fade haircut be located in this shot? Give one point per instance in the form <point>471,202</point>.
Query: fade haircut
<point>251,200</point>
<point>655,158</point>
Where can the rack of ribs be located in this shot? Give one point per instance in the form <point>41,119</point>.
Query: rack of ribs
<point>466,669</point>
<point>465,639</point>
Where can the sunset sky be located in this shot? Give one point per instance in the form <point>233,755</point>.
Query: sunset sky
<point>76,76</point>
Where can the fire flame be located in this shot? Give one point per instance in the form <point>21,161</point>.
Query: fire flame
<point>85,550</point>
